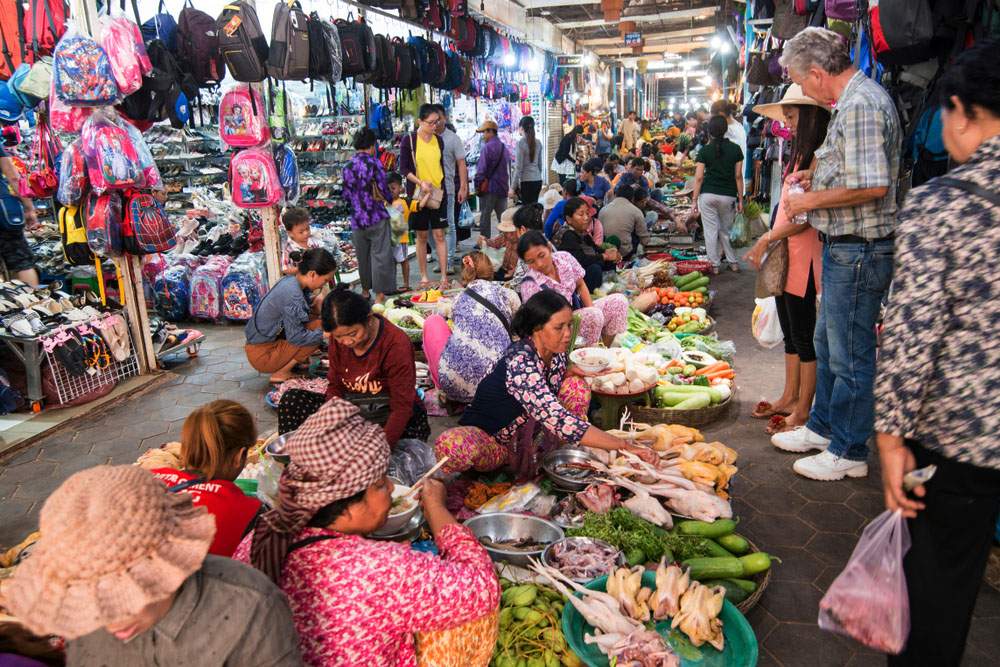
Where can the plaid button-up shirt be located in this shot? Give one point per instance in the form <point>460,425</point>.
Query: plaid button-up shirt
<point>861,151</point>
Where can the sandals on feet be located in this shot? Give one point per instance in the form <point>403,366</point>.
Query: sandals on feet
<point>765,410</point>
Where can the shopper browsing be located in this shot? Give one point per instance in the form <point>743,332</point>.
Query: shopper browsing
<point>421,161</point>
<point>528,169</point>
<point>622,219</point>
<point>928,410</point>
<point>357,601</point>
<point>564,161</point>
<point>852,203</point>
<point>122,572</point>
<point>630,132</point>
<point>492,177</point>
<point>15,253</point>
<point>215,440</point>
<point>456,181</point>
<point>283,331</point>
<point>718,193</point>
<point>399,214</point>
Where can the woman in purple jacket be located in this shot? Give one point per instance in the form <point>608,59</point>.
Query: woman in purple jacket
<point>492,177</point>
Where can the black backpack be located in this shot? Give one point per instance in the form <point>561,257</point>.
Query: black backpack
<point>242,43</point>
<point>156,99</point>
<point>289,58</point>
<point>357,48</point>
<point>381,75</point>
<point>320,64</point>
<point>404,63</point>
<point>198,47</point>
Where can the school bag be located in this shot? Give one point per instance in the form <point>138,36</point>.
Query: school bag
<point>845,10</point>
<point>63,117</point>
<point>289,56</point>
<point>357,47</point>
<point>288,173</point>
<point>122,42</point>
<point>243,287</point>
<point>172,293</point>
<point>73,233</point>
<point>902,30</point>
<point>103,214</point>
<point>206,288</point>
<point>112,160</point>
<point>72,175</point>
<point>166,88</point>
<point>253,179</point>
<point>381,75</point>
<point>332,37</point>
<point>241,118</point>
<point>324,50</point>
<point>198,47</point>
<point>381,122</point>
<point>82,72</point>
<point>149,228</point>
<point>11,37</point>
<point>161,27</point>
<point>31,84</point>
<point>242,42</point>
<point>44,23</point>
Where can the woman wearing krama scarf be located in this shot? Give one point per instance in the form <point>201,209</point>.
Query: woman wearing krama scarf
<point>357,601</point>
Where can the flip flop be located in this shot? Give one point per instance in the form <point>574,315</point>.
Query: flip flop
<point>764,410</point>
<point>777,424</point>
<point>424,284</point>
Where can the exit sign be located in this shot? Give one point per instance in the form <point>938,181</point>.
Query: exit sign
<point>633,38</point>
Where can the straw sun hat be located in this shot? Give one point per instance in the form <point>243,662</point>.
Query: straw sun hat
<point>113,541</point>
<point>793,95</point>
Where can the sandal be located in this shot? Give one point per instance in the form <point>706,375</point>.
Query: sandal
<point>424,284</point>
<point>777,424</point>
<point>765,410</point>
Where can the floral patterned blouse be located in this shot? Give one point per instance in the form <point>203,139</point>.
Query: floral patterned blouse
<point>357,601</point>
<point>568,270</point>
<point>358,175</point>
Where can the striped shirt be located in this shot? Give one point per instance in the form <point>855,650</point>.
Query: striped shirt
<point>861,151</point>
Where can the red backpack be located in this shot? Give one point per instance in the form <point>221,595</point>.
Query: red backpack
<point>44,24</point>
<point>103,215</point>
<point>146,228</point>
<point>11,37</point>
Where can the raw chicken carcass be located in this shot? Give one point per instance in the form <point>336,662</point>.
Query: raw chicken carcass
<point>644,505</point>
<point>641,648</point>
<point>597,607</point>
<point>598,498</point>
<point>671,583</point>
<point>700,505</point>
<point>698,617</point>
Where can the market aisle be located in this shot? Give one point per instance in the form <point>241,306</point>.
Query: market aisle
<point>811,526</point>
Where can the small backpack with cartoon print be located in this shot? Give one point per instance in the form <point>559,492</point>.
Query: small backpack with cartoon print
<point>253,179</point>
<point>112,160</point>
<point>82,73</point>
<point>242,123</point>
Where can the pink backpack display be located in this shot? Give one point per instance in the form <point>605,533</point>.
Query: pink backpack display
<point>81,72</point>
<point>121,40</point>
<point>112,160</point>
<point>241,118</point>
<point>72,175</point>
<point>147,227</point>
<point>206,288</point>
<point>253,179</point>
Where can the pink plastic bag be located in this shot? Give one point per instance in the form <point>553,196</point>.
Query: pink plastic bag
<point>868,600</point>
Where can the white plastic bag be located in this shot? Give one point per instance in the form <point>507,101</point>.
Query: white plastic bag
<point>765,325</point>
<point>868,600</point>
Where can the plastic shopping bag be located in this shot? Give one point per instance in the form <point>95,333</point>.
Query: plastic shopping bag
<point>868,600</point>
<point>765,325</point>
<point>410,459</point>
<point>739,235</point>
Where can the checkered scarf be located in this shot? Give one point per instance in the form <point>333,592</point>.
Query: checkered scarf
<point>334,454</point>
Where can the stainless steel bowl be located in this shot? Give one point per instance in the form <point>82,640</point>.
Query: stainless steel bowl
<point>276,448</point>
<point>547,554</point>
<point>559,457</point>
<point>509,526</point>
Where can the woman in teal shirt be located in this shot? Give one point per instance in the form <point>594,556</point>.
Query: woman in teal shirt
<point>718,192</point>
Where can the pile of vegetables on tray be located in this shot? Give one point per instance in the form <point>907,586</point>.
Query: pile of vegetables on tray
<point>694,282</point>
<point>716,349</point>
<point>676,297</point>
<point>408,319</point>
<point>731,563</point>
<point>688,320</point>
<point>530,628</point>
<point>641,541</point>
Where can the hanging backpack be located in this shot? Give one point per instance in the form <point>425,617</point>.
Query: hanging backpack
<point>72,175</point>
<point>403,66</point>
<point>434,17</point>
<point>902,30</point>
<point>150,172</point>
<point>381,122</point>
<point>73,232</point>
<point>198,47</point>
<point>103,213</point>
<point>241,118</point>
<point>82,72</point>
<point>357,46</point>
<point>112,161</point>
<point>122,42</point>
<point>844,10</point>
<point>45,23</point>
<point>332,37</point>
<point>288,173</point>
<point>381,75</point>
<point>162,27</point>
<point>242,42</point>
<point>11,37</point>
<point>253,179</point>
<point>411,10</point>
<point>289,55</point>
<point>163,90</point>
<point>150,228</point>
<point>320,63</point>
<point>280,121</point>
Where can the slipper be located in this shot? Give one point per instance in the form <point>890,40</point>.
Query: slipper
<point>777,424</point>
<point>765,410</point>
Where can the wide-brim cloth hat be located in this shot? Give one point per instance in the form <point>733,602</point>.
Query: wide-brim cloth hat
<point>114,541</point>
<point>488,125</point>
<point>506,224</point>
<point>792,96</point>
<point>334,454</point>
<point>552,196</point>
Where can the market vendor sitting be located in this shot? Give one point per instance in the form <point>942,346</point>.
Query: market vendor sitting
<point>506,239</point>
<point>371,365</point>
<point>357,601</point>
<point>547,270</point>
<point>575,238</point>
<point>283,331</point>
<point>530,382</point>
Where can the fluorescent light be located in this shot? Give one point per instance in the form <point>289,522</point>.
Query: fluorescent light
<point>688,64</point>
<point>673,101</point>
<point>629,82</point>
<point>588,59</point>
<point>724,48</point>
<point>707,80</point>
<point>716,42</point>
<point>509,60</point>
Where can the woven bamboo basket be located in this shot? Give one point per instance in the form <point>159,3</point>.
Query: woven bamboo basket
<point>700,417</point>
<point>762,582</point>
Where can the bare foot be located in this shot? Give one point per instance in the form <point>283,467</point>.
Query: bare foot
<point>764,409</point>
<point>796,419</point>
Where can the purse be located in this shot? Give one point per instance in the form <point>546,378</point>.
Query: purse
<point>40,180</point>
<point>436,198</point>
<point>773,270</point>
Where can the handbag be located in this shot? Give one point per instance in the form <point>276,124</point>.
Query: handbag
<point>373,407</point>
<point>773,270</point>
<point>436,198</point>
<point>38,83</point>
<point>40,180</point>
<point>484,186</point>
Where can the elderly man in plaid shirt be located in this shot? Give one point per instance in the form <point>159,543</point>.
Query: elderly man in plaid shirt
<point>851,201</point>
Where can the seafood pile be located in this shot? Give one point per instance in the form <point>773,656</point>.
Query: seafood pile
<point>583,559</point>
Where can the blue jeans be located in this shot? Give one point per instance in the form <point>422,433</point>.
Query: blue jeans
<point>856,278</point>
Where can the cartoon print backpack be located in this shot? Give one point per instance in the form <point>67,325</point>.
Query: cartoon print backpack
<point>206,288</point>
<point>122,42</point>
<point>103,213</point>
<point>150,172</point>
<point>112,160</point>
<point>72,175</point>
<point>242,288</point>
<point>172,293</point>
<point>82,72</point>
<point>148,228</point>
<point>253,179</point>
<point>241,118</point>
<point>288,173</point>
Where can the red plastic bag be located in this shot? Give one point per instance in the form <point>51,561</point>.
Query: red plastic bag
<point>868,600</point>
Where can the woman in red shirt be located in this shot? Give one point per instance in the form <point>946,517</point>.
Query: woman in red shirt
<point>215,439</point>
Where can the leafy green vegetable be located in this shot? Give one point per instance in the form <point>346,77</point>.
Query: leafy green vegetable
<point>622,529</point>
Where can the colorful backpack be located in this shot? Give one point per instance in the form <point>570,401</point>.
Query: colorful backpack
<point>73,232</point>
<point>112,160</point>
<point>122,42</point>
<point>72,175</point>
<point>288,173</point>
<point>150,172</point>
<point>63,117</point>
<point>242,289</point>
<point>82,72</point>
<point>241,118</point>
<point>253,179</point>
<point>148,228</point>
<point>103,213</point>
<point>206,288</point>
<point>173,294</point>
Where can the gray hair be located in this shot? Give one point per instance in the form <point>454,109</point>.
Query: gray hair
<point>816,47</point>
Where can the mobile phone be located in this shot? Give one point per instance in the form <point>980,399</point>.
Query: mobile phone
<point>915,478</point>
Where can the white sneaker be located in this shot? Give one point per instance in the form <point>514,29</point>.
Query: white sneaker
<point>827,467</point>
<point>799,440</point>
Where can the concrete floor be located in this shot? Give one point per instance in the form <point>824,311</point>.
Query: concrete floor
<point>811,526</point>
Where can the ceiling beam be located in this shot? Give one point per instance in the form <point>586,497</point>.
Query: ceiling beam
<point>542,4</point>
<point>625,51</point>
<point>639,18</point>
<point>650,38</point>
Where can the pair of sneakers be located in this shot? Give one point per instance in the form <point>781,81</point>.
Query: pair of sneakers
<point>825,466</point>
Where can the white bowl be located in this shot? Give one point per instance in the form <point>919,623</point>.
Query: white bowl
<point>397,521</point>
<point>590,359</point>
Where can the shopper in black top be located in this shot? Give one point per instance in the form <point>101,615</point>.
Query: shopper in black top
<point>574,238</point>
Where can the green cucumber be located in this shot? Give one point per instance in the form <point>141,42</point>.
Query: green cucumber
<point>735,544</point>
<point>715,567</point>
<point>715,549</point>
<point>683,281</point>
<point>755,563</point>
<point>746,584</point>
<point>671,399</point>
<point>695,284</point>
<point>695,402</point>
<point>713,529</point>
<point>734,593</point>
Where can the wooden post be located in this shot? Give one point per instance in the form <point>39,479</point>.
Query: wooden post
<point>272,243</point>
<point>134,300</point>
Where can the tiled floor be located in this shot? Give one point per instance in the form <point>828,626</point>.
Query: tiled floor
<point>811,526</point>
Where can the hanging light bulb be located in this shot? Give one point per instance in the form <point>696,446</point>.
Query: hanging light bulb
<point>509,60</point>
<point>588,59</point>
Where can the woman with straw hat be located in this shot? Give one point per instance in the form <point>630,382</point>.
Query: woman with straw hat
<point>358,601</point>
<point>121,572</point>
<point>807,119</point>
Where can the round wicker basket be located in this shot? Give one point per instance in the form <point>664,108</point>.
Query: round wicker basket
<point>762,580</point>
<point>700,417</point>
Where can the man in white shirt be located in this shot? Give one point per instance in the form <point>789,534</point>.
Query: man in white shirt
<point>454,163</point>
<point>735,132</point>
<point>630,131</point>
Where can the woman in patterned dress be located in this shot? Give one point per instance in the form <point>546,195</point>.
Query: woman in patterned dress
<point>357,601</point>
<point>529,384</point>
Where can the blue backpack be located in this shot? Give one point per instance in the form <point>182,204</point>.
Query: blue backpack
<point>81,72</point>
<point>381,122</point>
<point>173,293</point>
<point>162,27</point>
<point>14,84</point>
<point>288,173</point>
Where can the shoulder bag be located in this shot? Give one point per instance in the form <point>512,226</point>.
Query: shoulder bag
<point>971,188</point>
<point>773,270</point>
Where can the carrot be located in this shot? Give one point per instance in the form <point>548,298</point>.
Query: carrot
<point>725,375</point>
<point>713,368</point>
